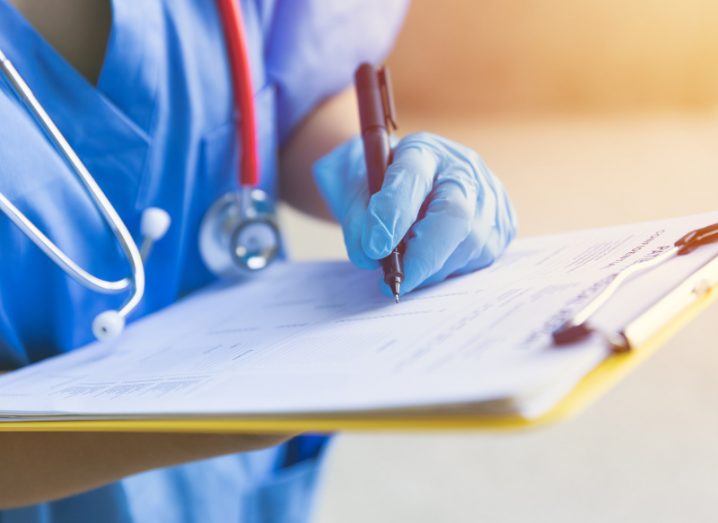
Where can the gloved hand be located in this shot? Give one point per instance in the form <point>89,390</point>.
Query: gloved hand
<point>457,212</point>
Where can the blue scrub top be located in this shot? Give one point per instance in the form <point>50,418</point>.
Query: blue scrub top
<point>158,129</point>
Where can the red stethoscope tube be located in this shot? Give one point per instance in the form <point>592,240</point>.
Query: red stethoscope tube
<point>238,55</point>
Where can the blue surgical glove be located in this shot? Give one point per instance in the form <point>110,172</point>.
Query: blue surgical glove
<point>456,212</point>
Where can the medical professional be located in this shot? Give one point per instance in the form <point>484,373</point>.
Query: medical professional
<point>143,93</point>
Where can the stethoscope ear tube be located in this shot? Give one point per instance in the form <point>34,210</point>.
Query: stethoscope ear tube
<point>58,256</point>
<point>136,283</point>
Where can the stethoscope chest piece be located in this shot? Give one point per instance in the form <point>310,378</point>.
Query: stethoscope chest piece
<point>239,234</point>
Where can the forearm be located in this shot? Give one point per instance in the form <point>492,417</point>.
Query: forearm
<point>330,124</point>
<point>39,467</point>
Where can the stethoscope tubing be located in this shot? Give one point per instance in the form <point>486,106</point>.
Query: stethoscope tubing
<point>243,93</point>
<point>113,220</point>
<point>154,225</point>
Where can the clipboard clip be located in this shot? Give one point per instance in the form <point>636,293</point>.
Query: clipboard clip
<point>578,328</point>
<point>694,239</point>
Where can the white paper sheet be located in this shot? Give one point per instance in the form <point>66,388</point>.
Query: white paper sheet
<point>320,337</point>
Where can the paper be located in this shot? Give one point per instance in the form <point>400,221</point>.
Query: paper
<point>320,338</point>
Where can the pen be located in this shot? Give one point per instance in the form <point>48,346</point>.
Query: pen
<point>378,118</point>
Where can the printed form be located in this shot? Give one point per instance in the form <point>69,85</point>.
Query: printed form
<point>320,338</point>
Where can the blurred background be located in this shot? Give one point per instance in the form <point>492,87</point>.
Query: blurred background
<point>492,57</point>
<point>593,112</point>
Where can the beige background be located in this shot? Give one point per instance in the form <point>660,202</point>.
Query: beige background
<point>632,137</point>
<point>499,57</point>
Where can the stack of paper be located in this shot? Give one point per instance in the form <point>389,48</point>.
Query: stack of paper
<point>320,339</point>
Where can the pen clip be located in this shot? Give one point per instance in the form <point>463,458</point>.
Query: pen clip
<point>387,98</point>
<point>696,238</point>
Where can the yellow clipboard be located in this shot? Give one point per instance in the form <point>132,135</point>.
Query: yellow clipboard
<point>589,389</point>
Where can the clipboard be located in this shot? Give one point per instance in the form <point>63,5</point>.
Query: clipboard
<point>642,334</point>
<point>648,332</point>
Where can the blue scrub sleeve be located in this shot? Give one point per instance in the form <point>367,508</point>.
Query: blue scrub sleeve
<point>314,46</point>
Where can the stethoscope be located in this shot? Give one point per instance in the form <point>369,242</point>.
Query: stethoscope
<point>238,234</point>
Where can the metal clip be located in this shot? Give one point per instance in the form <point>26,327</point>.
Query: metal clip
<point>578,328</point>
<point>387,98</point>
<point>694,239</point>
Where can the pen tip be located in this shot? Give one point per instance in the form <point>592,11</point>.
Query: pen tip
<point>395,288</point>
